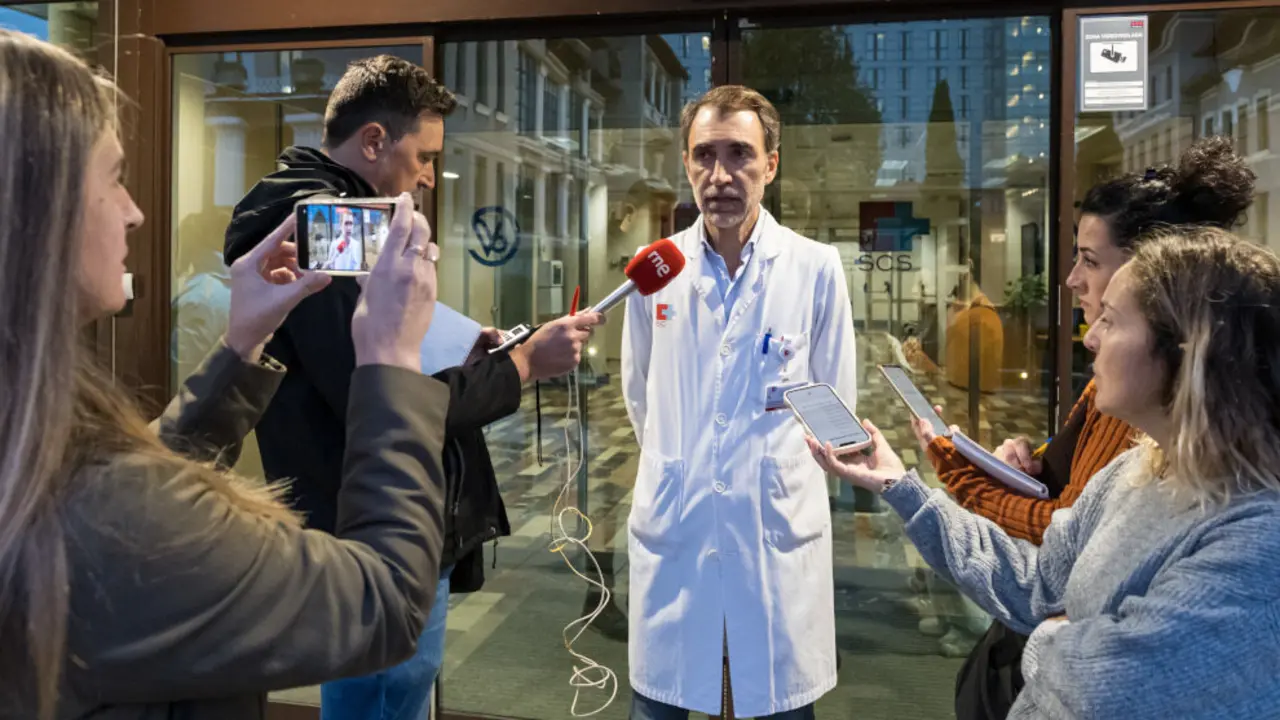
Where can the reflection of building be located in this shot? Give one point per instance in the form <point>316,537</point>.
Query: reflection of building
<point>551,133</point>
<point>1210,75</point>
<point>998,73</point>
<point>231,93</point>
<point>69,24</point>
<point>694,52</point>
<point>963,143</point>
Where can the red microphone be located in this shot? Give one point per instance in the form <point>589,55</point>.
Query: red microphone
<point>652,269</point>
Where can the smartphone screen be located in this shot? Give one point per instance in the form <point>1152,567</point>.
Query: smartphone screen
<point>342,237</point>
<point>827,417</point>
<point>915,400</point>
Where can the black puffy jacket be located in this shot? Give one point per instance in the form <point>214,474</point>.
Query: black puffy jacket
<point>302,435</point>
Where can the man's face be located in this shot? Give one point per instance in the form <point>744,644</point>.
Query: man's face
<point>728,166</point>
<point>348,225</point>
<point>408,165</point>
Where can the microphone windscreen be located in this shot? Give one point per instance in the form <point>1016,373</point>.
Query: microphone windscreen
<point>655,266</point>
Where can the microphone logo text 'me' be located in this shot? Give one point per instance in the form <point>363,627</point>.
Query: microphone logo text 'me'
<point>663,269</point>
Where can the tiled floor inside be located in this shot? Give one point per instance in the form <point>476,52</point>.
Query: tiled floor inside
<point>506,655</point>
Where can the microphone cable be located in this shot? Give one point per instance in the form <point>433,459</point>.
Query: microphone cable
<point>591,674</point>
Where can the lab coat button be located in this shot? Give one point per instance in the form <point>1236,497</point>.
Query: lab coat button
<point>724,350</point>
<point>719,487</point>
<point>711,553</point>
<point>722,420</point>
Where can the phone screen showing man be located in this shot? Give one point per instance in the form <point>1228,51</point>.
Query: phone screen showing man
<point>344,238</point>
<point>827,417</point>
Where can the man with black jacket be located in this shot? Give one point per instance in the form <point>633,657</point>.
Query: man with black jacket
<point>383,129</point>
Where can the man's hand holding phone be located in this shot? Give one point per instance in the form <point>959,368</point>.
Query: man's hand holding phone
<point>556,348</point>
<point>489,339</point>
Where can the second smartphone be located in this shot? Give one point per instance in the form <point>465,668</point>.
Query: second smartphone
<point>827,418</point>
<point>340,236</point>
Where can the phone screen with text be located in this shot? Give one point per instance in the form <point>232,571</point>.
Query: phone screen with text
<point>827,417</point>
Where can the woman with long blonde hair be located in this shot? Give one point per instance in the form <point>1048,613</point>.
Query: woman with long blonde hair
<point>1155,594</point>
<point>139,578</point>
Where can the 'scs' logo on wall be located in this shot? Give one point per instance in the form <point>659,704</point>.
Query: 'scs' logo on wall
<point>499,235</point>
<point>662,313</point>
<point>885,262</point>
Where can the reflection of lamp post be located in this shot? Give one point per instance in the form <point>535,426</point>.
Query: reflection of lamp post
<point>231,75</point>
<point>307,75</point>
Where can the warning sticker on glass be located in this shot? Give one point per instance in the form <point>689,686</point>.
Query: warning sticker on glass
<point>1113,63</point>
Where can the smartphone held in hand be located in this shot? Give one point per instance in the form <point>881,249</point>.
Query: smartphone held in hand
<point>915,400</point>
<point>827,418</point>
<point>342,236</point>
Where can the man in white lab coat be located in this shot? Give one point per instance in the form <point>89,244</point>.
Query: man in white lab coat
<point>345,253</point>
<point>730,529</point>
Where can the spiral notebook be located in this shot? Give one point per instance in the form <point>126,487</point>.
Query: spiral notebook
<point>1007,475</point>
<point>450,339</point>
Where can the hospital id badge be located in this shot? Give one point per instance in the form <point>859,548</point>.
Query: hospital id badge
<point>774,396</point>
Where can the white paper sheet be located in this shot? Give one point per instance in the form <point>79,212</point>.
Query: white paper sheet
<point>449,340</point>
<point>1010,476</point>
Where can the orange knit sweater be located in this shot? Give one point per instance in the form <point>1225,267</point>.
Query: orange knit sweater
<point>1101,440</point>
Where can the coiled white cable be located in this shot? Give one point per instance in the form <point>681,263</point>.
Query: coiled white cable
<point>590,674</point>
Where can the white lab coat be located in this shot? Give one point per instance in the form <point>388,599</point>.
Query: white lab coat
<point>348,259</point>
<point>730,526</point>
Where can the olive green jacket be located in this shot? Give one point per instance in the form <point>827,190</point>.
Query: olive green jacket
<point>185,607</point>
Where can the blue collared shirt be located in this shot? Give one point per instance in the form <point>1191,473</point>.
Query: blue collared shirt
<point>729,287</point>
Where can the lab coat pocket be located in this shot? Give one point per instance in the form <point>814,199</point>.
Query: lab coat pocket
<point>796,508</point>
<point>786,358</point>
<point>658,501</point>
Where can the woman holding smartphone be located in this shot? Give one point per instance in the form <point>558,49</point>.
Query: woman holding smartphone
<point>1155,594</point>
<point>140,578</point>
<point>1211,186</point>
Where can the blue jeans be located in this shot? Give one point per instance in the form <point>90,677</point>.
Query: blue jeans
<point>642,708</point>
<point>397,693</point>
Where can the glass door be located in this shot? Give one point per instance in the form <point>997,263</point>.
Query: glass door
<point>233,113</point>
<point>920,150</point>
<point>561,161</point>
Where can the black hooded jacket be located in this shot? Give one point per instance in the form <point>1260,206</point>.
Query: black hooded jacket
<point>302,435</point>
